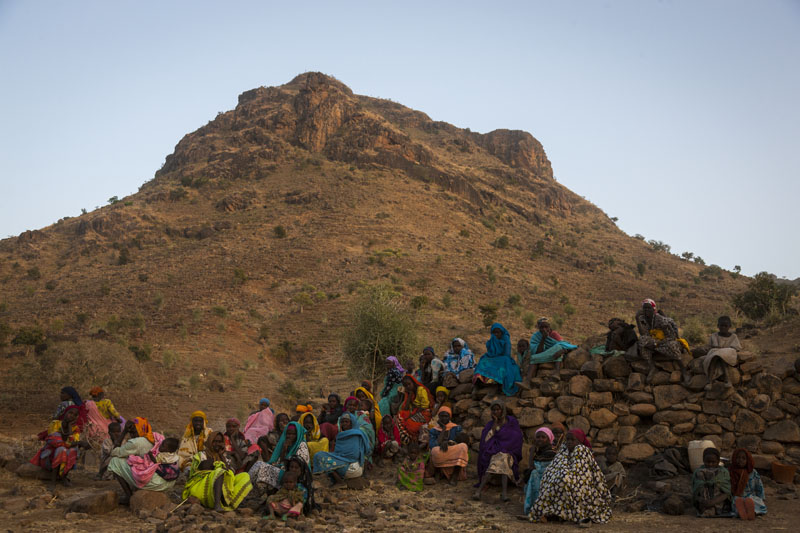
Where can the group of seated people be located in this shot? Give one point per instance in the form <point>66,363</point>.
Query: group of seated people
<point>411,424</point>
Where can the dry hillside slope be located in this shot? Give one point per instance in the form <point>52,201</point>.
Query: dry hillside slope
<point>234,267</point>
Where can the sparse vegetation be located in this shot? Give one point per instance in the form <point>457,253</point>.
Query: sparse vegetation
<point>113,200</point>
<point>169,359</point>
<point>418,302</point>
<point>764,297</point>
<point>659,246</point>
<point>447,300</point>
<point>464,233</point>
<point>124,257</point>
<point>694,331</point>
<point>279,232</point>
<point>712,272</point>
<point>239,276</point>
<point>489,313</point>
<point>28,336</point>
<point>529,320</point>
<point>141,353</point>
<point>514,300</point>
<point>219,311</point>
<point>33,273</point>
<point>5,333</point>
<point>501,242</point>
<point>641,269</point>
<point>381,326</point>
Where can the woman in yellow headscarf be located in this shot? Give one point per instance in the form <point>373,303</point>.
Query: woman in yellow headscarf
<point>194,438</point>
<point>362,394</point>
<point>314,439</point>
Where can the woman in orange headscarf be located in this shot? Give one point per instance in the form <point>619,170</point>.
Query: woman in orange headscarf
<point>415,410</point>
<point>194,438</point>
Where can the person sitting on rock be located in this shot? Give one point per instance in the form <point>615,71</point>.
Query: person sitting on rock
<point>236,445</point>
<point>613,470</point>
<point>722,353</point>
<point>449,452</point>
<point>523,356</point>
<point>411,471</point>
<point>746,486</point>
<point>711,487</point>
<point>114,437</point>
<point>130,463</point>
<point>62,440</point>
<point>542,453</point>
<point>457,359</point>
<point>547,346</point>
<point>496,365</point>
<point>621,336</point>
<point>353,448</point>
<point>573,487</point>
<point>414,411</point>
<point>658,336</point>
<point>500,450</point>
<point>212,481</point>
<point>431,369</point>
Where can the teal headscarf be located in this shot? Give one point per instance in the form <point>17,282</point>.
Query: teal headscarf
<point>301,437</point>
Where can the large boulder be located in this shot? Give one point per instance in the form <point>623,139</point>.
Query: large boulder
<point>602,418</point>
<point>660,436</point>
<point>554,416</point>
<point>606,436</point>
<point>643,409</point>
<point>751,443</point>
<point>749,422</point>
<point>629,420</point>
<point>773,413</point>
<point>673,417</point>
<point>626,434</point>
<point>769,384</point>
<point>759,403</point>
<point>783,431</point>
<point>635,382</point>
<point>640,397</point>
<point>550,388</point>
<point>600,398</point>
<point>668,395</point>
<point>633,453</point>
<point>604,385</point>
<point>697,383</point>
<point>592,369</point>
<point>616,367</point>
<point>531,417</point>
<point>683,427</point>
<point>93,502</point>
<point>580,422</point>
<point>575,359</point>
<point>708,429</point>
<point>772,447</point>
<point>148,500</point>
<point>791,386</point>
<point>715,407</point>
<point>580,386</point>
<point>569,405</point>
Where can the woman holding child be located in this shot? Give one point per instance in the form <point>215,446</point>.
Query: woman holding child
<point>353,448</point>
<point>212,480</point>
<point>415,410</point>
<point>292,443</point>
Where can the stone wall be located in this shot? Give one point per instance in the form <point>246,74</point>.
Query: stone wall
<point>609,399</point>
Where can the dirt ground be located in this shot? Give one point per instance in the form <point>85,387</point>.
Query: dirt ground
<point>32,505</point>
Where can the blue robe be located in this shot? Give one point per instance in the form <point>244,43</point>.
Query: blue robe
<point>497,363</point>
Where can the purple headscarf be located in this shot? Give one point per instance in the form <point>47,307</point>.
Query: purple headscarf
<point>397,364</point>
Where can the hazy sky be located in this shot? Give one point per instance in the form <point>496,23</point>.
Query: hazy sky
<point>682,118</point>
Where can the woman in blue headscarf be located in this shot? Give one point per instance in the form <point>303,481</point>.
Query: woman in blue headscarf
<point>496,365</point>
<point>292,443</point>
<point>352,449</point>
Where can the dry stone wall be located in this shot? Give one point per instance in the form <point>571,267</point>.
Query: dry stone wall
<point>610,400</point>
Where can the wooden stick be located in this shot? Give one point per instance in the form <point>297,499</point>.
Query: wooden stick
<point>176,507</point>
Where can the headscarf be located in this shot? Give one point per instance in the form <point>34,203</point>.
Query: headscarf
<point>347,400</point>
<point>189,432</point>
<point>407,394</point>
<point>304,408</point>
<point>143,428</point>
<point>315,433</point>
<point>397,365</point>
<point>214,456</point>
<point>651,303</point>
<point>76,398</point>
<point>264,400</point>
<point>740,476</point>
<point>506,439</point>
<point>547,432</point>
<point>301,437</point>
<point>233,420</point>
<point>451,424</point>
<point>542,321</point>
<point>429,349</point>
<point>498,347</point>
<point>94,391</point>
<point>445,390</point>
<point>371,397</point>
<point>461,341</point>
<point>581,436</point>
<point>78,422</point>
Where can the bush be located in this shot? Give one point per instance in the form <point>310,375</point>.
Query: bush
<point>141,353</point>
<point>694,331</point>
<point>419,301</point>
<point>501,242</point>
<point>50,285</point>
<point>659,246</point>
<point>33,273</point>
<point>28,336</point>
<point>764,297</point>
<point>279,232</point>
<point>124,257</point>
<point>514,299</point>
<point>381,326</point>
<point>529,319</point>
<point>169,359</point>
<point>5,333</point>
<point>219,311</point>
<point>489,313</point>
<point>641,269</point>
<point>291,392</point>
<point>447,300</point>
<point>239,276</point>
<point>464,233</point>
<point>713,271</point>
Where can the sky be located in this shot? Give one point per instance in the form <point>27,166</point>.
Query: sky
<point>681,118</point>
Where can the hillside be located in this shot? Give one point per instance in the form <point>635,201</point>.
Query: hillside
<point>231,271</point>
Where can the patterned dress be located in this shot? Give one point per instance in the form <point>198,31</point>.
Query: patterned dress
<point>573,488</point>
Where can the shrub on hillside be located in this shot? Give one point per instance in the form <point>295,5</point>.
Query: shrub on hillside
<point>381,325</point>
<point>489,313</point>
<point>694,331</point>
<point>764,297</point>
<point>28,336</point>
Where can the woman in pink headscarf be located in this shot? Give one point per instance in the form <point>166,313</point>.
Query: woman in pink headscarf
<point>542,454</point>
<point>259,423</point>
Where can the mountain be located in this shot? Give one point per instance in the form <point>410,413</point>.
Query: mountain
<point>229,275</point>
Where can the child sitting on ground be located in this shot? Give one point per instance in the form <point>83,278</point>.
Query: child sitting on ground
<point>711,487</point>
<point>613,470</point>
<point>288,501</point>
<point>411,471</point>
<point>114,436</point>
<point>388,440</point>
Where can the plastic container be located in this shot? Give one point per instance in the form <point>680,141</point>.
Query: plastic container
<point>783,473</point>
<point>696,448</point>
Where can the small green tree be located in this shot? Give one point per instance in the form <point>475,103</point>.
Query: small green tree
<point>764,296</point>
<point>381,325</point>
<point>489,313</point>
